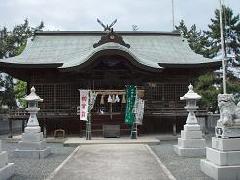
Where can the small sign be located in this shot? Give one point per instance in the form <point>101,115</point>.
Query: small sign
<point>84,103</point>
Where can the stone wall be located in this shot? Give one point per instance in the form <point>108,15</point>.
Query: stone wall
<point>208,124</point>
<point>4,125</point>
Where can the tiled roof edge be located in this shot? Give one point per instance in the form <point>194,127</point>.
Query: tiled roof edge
<point>132,33</point>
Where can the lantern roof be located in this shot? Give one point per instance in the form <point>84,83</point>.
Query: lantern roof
<point>190,94</point>
<point>33,96</point>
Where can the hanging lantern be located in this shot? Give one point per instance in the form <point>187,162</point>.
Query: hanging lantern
<point>109,98</point>
<point>102,99</point>
<point>117,99</point>
<point>123,99</point>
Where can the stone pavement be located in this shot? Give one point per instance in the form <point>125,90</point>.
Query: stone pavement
<point>112,162</point>
<point>75,141</point>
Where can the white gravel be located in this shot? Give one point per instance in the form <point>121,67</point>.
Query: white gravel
<point>182,168</point>
<point>26,169</point>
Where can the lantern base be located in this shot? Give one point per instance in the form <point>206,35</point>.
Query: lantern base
<point>189,152</point>
<point>32,154</point>
<point>32,129</point>
<point>191,143</point>
<point>32,144</point>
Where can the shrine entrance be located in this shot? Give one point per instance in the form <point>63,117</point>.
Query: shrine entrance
<point>107,115</point>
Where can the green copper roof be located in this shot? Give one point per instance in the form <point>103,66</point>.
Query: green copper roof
<point>70,49</point>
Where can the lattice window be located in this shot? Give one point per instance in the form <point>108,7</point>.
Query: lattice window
<point>169,92</point>
<point>166,94</point>
<point>46,92</point>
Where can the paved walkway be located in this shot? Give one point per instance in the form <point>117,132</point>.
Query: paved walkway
<point>112,162</point>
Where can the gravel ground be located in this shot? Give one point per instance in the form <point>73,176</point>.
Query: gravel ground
<point>26,169</point>
<point>182,168</point>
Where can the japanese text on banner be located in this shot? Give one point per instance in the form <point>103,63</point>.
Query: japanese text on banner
<point>84,103</point>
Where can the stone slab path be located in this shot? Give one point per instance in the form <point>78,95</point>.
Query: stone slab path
<point>112,162</point>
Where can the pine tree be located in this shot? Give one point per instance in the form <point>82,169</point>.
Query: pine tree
<point>12,43</point>
<point>231,31</point>
<point>198,41</point>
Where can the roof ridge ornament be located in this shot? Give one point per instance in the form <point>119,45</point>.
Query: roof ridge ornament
<point>110,35</point>
<point>107,27</point>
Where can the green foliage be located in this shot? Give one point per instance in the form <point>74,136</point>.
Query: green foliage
<point>208,43</point>
<point>8,97</point>
<point>233,87</point>
<point>205,86</point>
<point>12,43</point>
<point>20,91</point>
<point>197,40</point>
<point>231,31</point>
<point>208,86</point>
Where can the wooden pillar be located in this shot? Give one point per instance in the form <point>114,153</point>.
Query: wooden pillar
<point>23,125</point>
<point>10,128</point>
<point>44,128</point>
<point>80,129</point>
<point>175,126</point>
<point>206,124</point>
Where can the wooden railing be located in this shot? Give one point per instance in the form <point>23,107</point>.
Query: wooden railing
<point>172,112</point>
<point>22,113</point>
<point>48,113</point>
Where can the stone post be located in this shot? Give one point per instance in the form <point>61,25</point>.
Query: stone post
<point>32,144</point>
<point>6,169</point>
<point>223,158</point>
<point>191,143</point>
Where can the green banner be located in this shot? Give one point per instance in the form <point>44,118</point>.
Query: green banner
<point>130,97</point>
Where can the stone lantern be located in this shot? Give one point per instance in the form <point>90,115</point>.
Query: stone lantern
<point>191,105</point>
<point>32,100</point>
<point>191,143</point>
<point>32,144</point>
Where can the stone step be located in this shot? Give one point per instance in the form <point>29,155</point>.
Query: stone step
<point>229,144</point>
<point>191,143</point>
<point>194,127</point>
<point>23,145</point>
<point>33,137</point>
<point>221,158</point>
<point>32,154</point>
<point>220,172</point>
<point>189,152</point>
<point>191,134</point>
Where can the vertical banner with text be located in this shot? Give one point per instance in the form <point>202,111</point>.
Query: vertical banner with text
<point>84,103</point>
<point>139,110</point>
<point>130,96</point>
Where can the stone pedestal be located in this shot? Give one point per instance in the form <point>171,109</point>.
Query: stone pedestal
<point>6,169</point>
<point>32,145</point>
<point>223,159</point>
<point>191,143</point>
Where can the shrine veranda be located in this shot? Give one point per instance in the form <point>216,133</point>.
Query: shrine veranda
<point>59,63</point>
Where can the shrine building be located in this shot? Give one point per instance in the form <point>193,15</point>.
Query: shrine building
<point>59,63</point>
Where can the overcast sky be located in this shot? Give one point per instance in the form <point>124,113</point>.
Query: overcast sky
<point>151,15</point>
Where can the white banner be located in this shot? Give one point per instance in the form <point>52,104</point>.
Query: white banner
<point>139,110</point>
<point>84,103</point>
